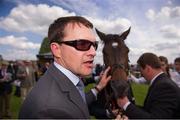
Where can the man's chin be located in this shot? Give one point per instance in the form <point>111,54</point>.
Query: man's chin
<point>87,73</point>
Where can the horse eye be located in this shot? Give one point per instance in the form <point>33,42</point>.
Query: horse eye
<point>114,44</point>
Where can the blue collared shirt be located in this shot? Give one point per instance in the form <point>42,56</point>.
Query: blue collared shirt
<point>72,77</point>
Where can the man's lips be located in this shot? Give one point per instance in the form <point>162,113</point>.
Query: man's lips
<point>89,63</point>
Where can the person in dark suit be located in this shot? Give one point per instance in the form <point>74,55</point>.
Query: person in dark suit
<point>163,97</point>
<point>58,93</point>
<point>6,78</point>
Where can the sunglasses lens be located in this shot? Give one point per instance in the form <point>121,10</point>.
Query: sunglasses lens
<point>85,45</point>
<point>81,45</point>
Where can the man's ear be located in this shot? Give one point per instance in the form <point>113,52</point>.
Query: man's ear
<point>55,49</point>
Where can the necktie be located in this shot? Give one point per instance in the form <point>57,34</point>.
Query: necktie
<point>80,87</point>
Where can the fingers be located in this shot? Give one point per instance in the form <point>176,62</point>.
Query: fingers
<point>124,117</point>
<point>107,70</point>
<point>115,112</point>
<point>107,78</point>
<point>101,74</point>
<point>121,117</point>
<point>105,73</point>
<point>118,117</point>
<point>104,79</point>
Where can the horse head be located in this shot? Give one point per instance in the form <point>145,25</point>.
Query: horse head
<point>115,53</point>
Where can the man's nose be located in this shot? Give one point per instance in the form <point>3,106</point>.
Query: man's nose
<point>92,50</point>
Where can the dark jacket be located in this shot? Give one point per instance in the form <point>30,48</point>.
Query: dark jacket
<point>162,101</point>
<point>5,86</point>
<point>55,96</point>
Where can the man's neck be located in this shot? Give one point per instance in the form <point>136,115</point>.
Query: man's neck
<point>155,73</point>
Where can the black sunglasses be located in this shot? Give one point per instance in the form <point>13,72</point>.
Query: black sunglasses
<point>81,44</point>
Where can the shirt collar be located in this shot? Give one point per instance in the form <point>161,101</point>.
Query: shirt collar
<point>72,77</point>
<point>155,78</point>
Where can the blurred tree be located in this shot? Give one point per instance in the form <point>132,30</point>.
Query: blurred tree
<point>45,48</point>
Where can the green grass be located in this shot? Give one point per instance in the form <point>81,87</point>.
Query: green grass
<point>15,105</point>
<point>139,91</point>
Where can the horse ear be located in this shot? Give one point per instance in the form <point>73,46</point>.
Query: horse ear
<point>100,34</point>
<point>125,34</point>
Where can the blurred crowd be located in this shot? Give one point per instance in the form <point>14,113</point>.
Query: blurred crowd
<point>22,75</point>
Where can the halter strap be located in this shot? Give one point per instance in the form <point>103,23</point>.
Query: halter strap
<point>120,66</point>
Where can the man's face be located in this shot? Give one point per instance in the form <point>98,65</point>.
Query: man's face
<point>79,62</point>
<point>177,66</point>
<point>144,72</point>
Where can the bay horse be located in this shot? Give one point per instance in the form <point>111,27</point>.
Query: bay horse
<point>115,55</point>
